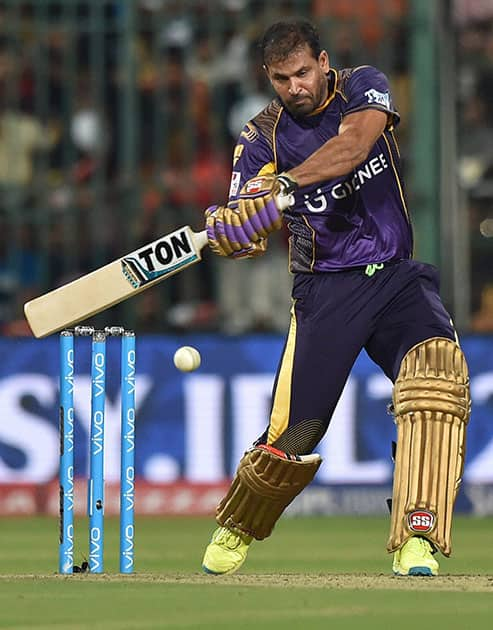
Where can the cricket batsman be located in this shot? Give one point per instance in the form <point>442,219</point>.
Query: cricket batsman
<point>323,158</point>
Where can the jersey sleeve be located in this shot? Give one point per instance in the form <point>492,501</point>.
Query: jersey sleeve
<point>252,156</point>
<point>368,88</point>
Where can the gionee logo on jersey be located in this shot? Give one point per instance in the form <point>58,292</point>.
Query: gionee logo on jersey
<point>371,169</point>
<point>318,203</point>
<point>421,521</point>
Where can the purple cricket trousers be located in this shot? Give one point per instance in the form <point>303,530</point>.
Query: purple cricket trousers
<point>336,315</point>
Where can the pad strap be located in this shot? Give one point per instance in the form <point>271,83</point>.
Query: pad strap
<point>266,482</point>
<point>432,407</point>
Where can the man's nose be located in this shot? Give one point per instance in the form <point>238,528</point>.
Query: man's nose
<point>294,87</point>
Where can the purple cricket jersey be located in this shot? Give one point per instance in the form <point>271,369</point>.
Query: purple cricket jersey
<point>348,221</point>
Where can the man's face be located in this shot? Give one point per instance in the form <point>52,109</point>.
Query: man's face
<point>300,81</point>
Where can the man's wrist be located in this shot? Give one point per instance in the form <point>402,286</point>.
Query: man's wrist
<point>288,183</point>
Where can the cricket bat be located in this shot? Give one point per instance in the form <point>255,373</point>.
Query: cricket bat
<point>119,280</point>
<point>114,282</point>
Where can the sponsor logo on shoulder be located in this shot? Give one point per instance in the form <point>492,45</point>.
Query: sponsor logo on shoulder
<point>421,521</point>
<point>381,98</point>
<point>161,258</point>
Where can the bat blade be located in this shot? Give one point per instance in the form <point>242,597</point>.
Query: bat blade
<point>114,282</point>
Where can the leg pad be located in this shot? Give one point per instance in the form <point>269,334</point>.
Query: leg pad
<point>266,482</point>
<point>432,407</point>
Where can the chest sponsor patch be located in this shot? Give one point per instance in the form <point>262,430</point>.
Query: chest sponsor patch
<point>235,183</point>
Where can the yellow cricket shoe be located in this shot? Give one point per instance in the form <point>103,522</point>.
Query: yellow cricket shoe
<point>415,557</point>
<point>226,552</point>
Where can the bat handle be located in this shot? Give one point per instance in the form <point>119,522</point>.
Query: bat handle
<point>284,201</point>
<point>200,239</point>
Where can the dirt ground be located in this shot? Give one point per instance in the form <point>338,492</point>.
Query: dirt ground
<point>458,583</point>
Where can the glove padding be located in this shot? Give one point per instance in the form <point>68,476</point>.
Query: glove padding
<point>260,203</point>
<point>225,234</point>
<point>237,229</point>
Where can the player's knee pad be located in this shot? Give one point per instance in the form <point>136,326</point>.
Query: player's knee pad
<point>266,482</point>
<point>432,407</point>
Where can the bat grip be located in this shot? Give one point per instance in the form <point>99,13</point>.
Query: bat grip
<point>284,201</point>
<point>201,239</point>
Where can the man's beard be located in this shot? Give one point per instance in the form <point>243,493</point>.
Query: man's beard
<point>301,107</point>
<point>307,104</point>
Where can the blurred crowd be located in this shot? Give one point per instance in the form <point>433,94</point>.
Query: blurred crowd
<point>117,125</point>
<point>475,137</point>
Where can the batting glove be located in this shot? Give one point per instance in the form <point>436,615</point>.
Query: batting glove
<point>226,235</point>
<point>261,202</point>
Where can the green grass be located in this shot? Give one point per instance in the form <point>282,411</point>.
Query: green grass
<point>312,573</point>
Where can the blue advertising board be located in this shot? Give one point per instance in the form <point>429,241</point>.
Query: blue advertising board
<point>194,427</point>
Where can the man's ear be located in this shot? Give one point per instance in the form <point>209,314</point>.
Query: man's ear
<point>323,60</point>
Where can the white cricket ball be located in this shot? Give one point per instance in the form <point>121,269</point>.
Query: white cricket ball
<point>187,359</point>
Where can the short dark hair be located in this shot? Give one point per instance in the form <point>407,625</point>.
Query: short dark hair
<point>283,38</point>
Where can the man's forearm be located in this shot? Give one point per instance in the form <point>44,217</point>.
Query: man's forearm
<point>358,133</point>
<point>337,157</point>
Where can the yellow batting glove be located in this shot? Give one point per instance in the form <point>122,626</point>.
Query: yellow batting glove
<point>226,236</point>
<point>261,202</point>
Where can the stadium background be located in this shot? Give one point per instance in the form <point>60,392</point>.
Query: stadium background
<point>117,125</point>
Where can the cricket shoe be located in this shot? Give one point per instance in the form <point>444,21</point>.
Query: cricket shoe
<point>415,557</point>
<point>226,552</point>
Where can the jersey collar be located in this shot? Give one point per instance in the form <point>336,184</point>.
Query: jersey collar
<point>332,83</point>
